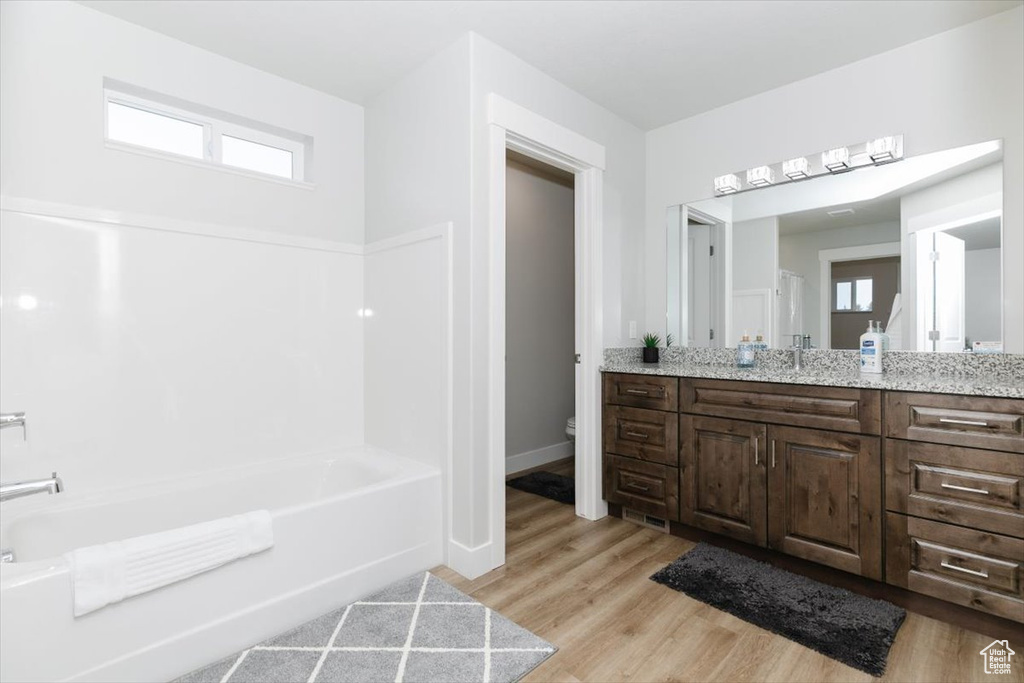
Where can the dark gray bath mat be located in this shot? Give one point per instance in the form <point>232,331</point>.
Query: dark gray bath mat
<point>417,629</point>
<point>851,628</point>
<point>554,486</point>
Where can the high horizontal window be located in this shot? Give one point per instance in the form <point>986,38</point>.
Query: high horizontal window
<point>162,127</point>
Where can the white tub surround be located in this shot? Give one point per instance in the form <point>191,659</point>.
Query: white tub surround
<point>339,535</point>
<point>142,348</point>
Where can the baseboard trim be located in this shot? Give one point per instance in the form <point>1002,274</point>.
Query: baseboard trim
<point>470,562</point>
<point>536,458</point>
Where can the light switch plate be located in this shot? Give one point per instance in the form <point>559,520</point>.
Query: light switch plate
<point>632,329</point>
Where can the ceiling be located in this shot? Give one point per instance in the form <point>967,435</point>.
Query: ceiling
<point>985,234</point>
<point>650,62</point>
<point>870,212</point>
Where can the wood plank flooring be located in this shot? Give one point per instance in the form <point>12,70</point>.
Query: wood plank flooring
<point>584,587</point>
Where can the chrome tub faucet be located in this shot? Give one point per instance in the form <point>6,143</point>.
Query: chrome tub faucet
<point>19,489</point>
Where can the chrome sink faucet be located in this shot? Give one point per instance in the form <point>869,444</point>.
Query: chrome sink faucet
<point>18,489</point>
<point>798,352</point>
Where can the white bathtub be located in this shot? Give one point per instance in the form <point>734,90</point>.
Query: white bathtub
<point>345,524</point>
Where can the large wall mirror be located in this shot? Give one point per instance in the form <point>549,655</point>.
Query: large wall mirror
<point>915,244</point>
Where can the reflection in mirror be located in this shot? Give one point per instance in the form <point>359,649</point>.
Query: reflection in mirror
<point>914,244</point>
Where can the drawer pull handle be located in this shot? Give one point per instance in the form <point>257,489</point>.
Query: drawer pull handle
<point>638,392</point>
<point>638,487</point>
<point>638,435</point>
<point>972,423</point>
<point>755,452</point>
<point>773,453</point>
<point>972,572</point>
<point>968,489</point>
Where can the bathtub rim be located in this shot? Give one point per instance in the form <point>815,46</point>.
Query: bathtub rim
<point>16,573</point>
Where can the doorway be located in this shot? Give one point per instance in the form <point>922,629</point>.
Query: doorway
<point>540,321</point>
<point>861,290</point>
<point>511,127</point>
<point>695,279</point>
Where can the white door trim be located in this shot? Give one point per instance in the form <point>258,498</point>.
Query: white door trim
<point>516,128</point>
<point>825,258</point>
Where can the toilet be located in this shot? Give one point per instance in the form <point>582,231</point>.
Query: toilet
<point>570,428</point>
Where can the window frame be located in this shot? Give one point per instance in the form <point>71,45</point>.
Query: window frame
<point>213,130</point>
<point>852,281</point>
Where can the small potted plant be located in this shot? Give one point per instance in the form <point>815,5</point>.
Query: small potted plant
<point>651,342</point>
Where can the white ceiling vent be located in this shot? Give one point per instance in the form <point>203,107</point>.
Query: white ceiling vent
<point>839,213</point>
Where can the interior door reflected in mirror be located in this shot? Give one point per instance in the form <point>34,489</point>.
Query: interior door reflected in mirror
<point>914,244</point>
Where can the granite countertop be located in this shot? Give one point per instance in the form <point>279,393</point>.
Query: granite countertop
<point>975,385</point>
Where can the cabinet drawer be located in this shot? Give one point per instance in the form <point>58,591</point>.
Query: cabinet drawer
<point>836,408</point>
<point>650,435</point>
<point>996,423</point>
<point>969,567</point>
<point>642,391</point>
<point>966,486</point>
<point>643,486</point>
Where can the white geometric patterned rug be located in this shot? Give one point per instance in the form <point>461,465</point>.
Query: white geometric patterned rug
<point>417,629</point>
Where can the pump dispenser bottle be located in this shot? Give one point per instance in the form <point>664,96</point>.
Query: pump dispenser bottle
<point>872,344</point>
<point>745,352</point>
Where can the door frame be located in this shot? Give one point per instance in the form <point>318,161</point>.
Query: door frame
<point>677,218</point>
<point>826,257</point>
<point>514,127</point>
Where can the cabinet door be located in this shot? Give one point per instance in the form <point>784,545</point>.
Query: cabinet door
<point>825,498</point>
<point>722,477</point>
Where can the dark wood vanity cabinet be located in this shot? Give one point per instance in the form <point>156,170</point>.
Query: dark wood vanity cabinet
<point>805,492</point>
<point>799,469</point>
<point>795,468</point>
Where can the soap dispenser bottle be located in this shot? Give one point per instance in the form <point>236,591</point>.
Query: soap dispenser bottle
<point>759,343</point>
<point>745,352</point>
<point>872,343</point>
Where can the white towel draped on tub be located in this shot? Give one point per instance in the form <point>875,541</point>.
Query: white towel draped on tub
<point>108,573</point>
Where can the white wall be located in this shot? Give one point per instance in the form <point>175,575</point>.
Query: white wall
<point>981,280</point>
<point>755,266</point>
<point>418,174</point>
<point>186,318</point>
<point>427,162</point>
<point>799,253</point>
<point>495,70</point>
<point>960,87</point>
<point>539,316</point>
<point>53,59</point>
<point>418,149</point>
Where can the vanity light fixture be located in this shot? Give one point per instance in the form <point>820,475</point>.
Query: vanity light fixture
<point>727,184</point>
<point>761,176</point>
<point>878,151</point>
<point>836,160</point>
<point>795,169</point>
<point>886,149</point>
